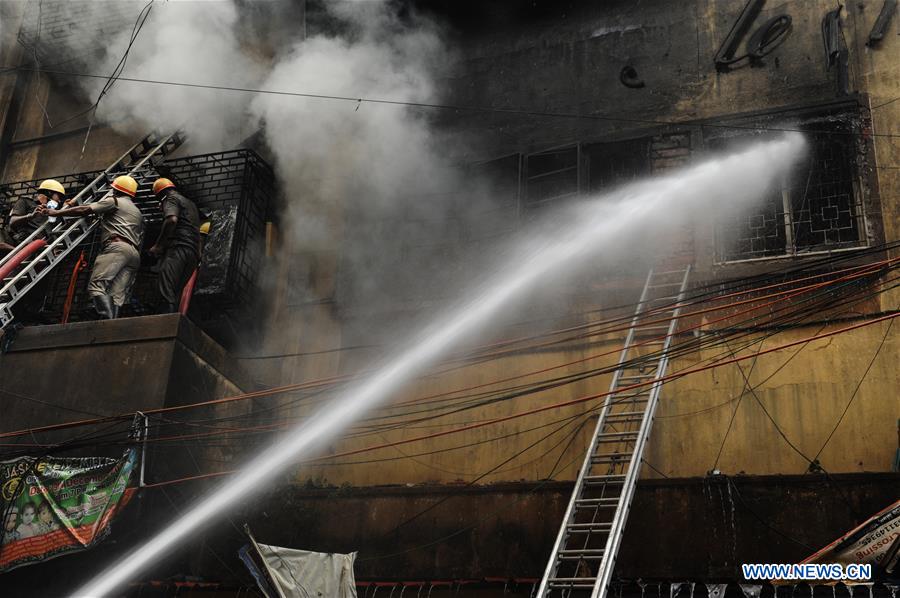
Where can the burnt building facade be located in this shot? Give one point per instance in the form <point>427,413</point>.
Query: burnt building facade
<point>567,101</point>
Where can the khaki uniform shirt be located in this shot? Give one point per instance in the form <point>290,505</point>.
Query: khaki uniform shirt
<point>23,207</point>
<point>120,217</point>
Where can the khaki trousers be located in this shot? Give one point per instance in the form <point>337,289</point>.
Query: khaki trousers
<point>114,272</point>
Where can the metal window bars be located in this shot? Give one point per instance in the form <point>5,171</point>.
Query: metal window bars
<point>61,238</point>
<point>819,208</point>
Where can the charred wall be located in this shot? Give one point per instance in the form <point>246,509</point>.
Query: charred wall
<point>89,370</point>
<point>679,530</point>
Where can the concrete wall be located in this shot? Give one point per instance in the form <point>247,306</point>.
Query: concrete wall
<point>85,370</point>
<point>566,58</point>
<point>699,530</point>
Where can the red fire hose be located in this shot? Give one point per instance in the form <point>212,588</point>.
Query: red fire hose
<point>70,292</point>
<point>187,292</point>
<point>20,257</point>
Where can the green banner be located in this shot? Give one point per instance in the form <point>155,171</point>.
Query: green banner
<point>54,506</point>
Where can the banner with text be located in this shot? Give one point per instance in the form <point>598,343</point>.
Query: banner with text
<point>870,542</point>
<point>54,506</point>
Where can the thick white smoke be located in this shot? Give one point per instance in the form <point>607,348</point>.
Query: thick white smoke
<point>338,162</point>
<point>183,42</point>
<point>364,156</point>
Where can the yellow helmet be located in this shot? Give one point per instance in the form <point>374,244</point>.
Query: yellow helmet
<point>204,228</point>
<point>125,184</point>
<point>162,185</point>
<point>52,185</point>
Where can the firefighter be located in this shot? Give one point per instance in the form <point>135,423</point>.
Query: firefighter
<point>121,235</point>
<point>28,214</point>
<point>178,245</point>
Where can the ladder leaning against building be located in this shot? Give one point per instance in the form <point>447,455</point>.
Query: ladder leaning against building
<point>584,554</point>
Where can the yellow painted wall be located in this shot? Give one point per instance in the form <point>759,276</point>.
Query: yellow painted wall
<point>805,398</point>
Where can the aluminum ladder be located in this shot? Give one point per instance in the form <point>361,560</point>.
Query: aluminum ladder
<point>584,554</point>
<point>62,237</point>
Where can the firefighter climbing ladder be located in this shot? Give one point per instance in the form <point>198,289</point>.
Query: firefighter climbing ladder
<point>62,237</point>
<point>584,554</point>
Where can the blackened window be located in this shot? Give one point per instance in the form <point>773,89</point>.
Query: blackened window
<point>817,208</point>
<point>616,163</point>
<point>551,176</point>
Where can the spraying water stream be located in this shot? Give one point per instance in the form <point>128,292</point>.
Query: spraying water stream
<point>627,217</point>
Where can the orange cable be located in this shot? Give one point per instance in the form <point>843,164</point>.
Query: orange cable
<point>583,399</point>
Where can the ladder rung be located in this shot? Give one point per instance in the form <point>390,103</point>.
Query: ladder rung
<point>616,440</point>
<point>617,434</point>
<point>652,342</point>
<point>610,458</point>
<point>586,551</point>
<point>608,478</point>
<point>625,416</point>
<point>639,377</point>
<point>598,557</point>
<point>664,284</point>
<point>570,586</point>
<point>664,273</point>
<point>596,502</point>
<point>589,527</point>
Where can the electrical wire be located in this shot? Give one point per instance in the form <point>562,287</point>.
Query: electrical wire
<point>457,108</point>
<point>157,439</point>
<point>571,402</point>
<point>855,391</point>
<point>746,386</point>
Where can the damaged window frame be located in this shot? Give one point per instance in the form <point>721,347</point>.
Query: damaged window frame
<point>633,149</point>
<point>532,198</point>
<point>864,197</point>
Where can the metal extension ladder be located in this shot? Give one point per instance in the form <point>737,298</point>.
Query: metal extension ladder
<point>584,554</point>
<point>140,162</point>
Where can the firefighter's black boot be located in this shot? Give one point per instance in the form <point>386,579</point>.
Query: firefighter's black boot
<point>103,304</point>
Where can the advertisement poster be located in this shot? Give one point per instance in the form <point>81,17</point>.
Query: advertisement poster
<point>871,542</point>
<point>54,506</point>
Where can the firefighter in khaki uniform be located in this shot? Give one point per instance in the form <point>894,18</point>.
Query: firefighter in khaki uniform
<point>121,235</point>
<point>178,243</point>
<point>28,214</point>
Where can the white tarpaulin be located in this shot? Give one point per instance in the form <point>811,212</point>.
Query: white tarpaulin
<point>304,574</point>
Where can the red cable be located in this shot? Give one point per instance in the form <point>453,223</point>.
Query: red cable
<point>672,306</point>
<point>421,400</point>
<point>335,379</point>
<point>675,375</point>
